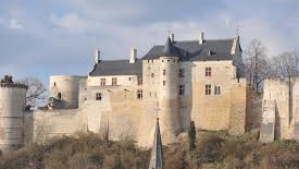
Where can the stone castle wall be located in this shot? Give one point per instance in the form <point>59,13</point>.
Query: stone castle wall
<point>120,114</point>
<point>285,98</point>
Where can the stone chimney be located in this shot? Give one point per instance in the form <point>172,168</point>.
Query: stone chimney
<point>171,37</point>
<point>97,55</point>
<point>133,55</point>
<point>201,38</point>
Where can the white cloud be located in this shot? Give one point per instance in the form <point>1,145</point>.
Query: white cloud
<point>71,22</point>
<point>14,24</point>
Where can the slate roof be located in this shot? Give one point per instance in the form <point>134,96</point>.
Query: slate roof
<point>169,49</point>
<point>116,67</point>
<point>194,51</point>
<point>210,50</point>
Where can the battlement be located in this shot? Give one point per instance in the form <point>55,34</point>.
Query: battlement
<point>13,85</point>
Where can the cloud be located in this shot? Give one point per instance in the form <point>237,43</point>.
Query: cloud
<point>58,37</point>
<point>70,22</point>
<point>13,24</point>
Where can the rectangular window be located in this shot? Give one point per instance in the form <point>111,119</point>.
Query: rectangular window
<point>152,75</point>
<point>164,82</point>
<point>99,96</point>
<point>139,94</point>
<point>114,81</point>
<point>181,89</point>
<point>208,72</point>
<point>181,73</point>
<point>54,84</point>
<point>208,89</point>
<point>139,80</point>
<point>103,81</point>
<point>164,72</point>
<point>217,90</point>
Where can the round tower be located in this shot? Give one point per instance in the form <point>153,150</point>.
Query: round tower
<point>12,106</point>
<point>65,89</point>
<point>168,100</point>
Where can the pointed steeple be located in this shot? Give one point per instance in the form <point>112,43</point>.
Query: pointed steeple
<point>157,161</point>
<point>236,47</point>
<point>169,49</point>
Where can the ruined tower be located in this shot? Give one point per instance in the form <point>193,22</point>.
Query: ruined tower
<point>168,99</point>
<point>12,106</point>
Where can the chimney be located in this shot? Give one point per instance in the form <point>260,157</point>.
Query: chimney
<point>201,38</point>
<point>97,55</point>
<point>133,55</point>
<point>171,37</point>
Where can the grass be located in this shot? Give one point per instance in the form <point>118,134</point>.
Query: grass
<point>214,150</point>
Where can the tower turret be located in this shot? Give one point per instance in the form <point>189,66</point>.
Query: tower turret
<point>12,107</point>
<point>168,100</point>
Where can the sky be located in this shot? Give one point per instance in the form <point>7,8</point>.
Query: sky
<point>40,38</point>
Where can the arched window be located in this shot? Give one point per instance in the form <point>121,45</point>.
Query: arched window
<point>59,96</point>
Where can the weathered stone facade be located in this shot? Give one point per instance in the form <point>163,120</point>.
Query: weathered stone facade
<point>124,103</point>
<point>280,110</point>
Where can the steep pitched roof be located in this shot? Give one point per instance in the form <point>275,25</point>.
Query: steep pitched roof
<point>116,67</point>
<point>157,161</point>
<point>193,50</point>
<point>169,49</point>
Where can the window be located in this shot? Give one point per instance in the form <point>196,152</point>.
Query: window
<point>164,72</point>
<point>98,96</point>
<point>54,84</point>
<point>114,81</point>
<point>59,96</point>
<point>208,89</point>
<point>103,81</point>
<point>152,61</point>
<point>139,80</point>
<point>139,94</point>
<point>181,89</point>
<point>181,73</point>
<point>130,78</point>
<point>208,72</point>
<point>164,82</point>
<point>217,90</point>
<point>152,75</point>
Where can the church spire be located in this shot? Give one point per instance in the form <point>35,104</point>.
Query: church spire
<point>157,161</point>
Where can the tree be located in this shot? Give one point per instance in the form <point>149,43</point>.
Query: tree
<point>286,65</point>
<point>36,93</point>
<point>256,64</point>
<point>192,136</point>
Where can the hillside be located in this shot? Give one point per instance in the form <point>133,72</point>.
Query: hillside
<point>213,151</point>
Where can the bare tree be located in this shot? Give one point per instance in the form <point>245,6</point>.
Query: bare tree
<point>37,92</point>
<point>256,64</point>
<point>286,65</point>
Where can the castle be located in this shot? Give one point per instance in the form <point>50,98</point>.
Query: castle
<point>181,81</point>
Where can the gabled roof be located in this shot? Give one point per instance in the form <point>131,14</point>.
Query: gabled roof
<point>116,67</point>
<point>193,50</point>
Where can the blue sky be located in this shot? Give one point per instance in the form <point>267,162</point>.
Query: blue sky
<point>48,37</point>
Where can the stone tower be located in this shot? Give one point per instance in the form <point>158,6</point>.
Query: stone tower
<point>157,161</point>
<point>168,99</point>
<point>12,106</point>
